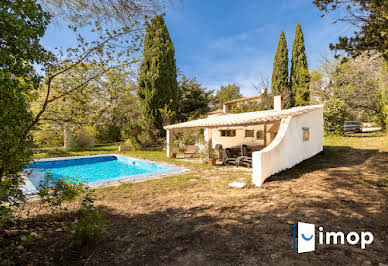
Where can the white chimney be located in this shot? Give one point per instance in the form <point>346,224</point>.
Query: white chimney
<point>277,103</point>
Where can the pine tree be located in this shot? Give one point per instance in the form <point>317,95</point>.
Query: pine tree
<point>299,76</point>
<point>158,87</point>
<point>279,83</point>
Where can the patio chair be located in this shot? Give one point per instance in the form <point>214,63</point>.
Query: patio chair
<point>228,157</point>
<point>190,151</point>
<point>244,159</point>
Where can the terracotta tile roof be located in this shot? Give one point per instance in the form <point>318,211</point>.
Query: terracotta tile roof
<point>242,119</point>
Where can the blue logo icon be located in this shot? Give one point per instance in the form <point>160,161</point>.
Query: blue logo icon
<point>304,237</point>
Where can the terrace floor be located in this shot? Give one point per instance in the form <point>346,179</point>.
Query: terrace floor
<point>196,219</point>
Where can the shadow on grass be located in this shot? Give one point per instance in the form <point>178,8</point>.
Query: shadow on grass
<point>214,235</point>
<point>330,157</point>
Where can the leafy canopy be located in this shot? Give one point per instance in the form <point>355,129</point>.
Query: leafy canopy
<point>369,17</point>
<point>22,24</point>
<point>227,93</point>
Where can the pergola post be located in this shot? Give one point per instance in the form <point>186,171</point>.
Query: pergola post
<point>265,135</point>
<point>209,140</point>
<point>169,139</point>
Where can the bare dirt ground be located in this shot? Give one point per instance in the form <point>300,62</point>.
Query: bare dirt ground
<point>196,219</point>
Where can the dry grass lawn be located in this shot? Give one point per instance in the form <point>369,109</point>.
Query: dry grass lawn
<point>196,219</point>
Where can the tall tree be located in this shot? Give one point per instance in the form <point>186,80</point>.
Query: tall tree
<point>279,84</point>
<point>227,93</point>
<point>22,24</point>
<point>299,76</point>
<point>158,87</point>
<point>368,17</point>
<point>193,99</point>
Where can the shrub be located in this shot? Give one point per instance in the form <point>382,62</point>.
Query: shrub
<point>335,113</point>
<point>8,253</point>
<point>91,224</point>
<point>183,138</point>
<point>84,137</point>
<point>133,144</point>
<point>108,133</point>
<point>55,193</point>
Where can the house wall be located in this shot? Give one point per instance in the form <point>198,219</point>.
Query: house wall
<point>288,148</point>
<point>239,139</point>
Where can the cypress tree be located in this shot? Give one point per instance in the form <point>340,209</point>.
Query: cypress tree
<point>158,87</point>
<point>299,76</point>
<point>279,84</point>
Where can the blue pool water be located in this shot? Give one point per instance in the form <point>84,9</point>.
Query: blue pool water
<point>95,169</point>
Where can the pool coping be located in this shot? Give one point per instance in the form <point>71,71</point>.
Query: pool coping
<point>30,190</point>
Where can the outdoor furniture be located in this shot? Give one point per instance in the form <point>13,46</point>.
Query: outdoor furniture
<point>244,159</point>
<point>228,157</point>
<point>190,151</point>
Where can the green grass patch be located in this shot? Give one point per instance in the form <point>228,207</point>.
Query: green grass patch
<point>370,140</point>
<point>41,153</point>
<point>149,188</point>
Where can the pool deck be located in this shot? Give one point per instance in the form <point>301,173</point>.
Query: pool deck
<point>29,174</point>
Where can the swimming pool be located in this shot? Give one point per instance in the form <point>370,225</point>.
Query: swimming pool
<point>95,171</point>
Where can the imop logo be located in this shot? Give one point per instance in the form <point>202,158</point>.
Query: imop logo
<point>306,237</point>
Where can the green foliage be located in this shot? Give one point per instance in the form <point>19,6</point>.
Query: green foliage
<point>108,133</point>
<point>158,87</point>
<point>22,24</point>
<point>299,75</point>
<point>359,82</point>
<point>279,85</point>
<point>369,17</point>
<point>108,103</point>
<point>183,138</point>
<point>265,103</point>
<point>227,93</point>
<point>193,99</point>
<point>84,137</point>
<point>8,253</point>
<point>48,135</point>
<point>54,193</point>
<point>91,224</point>
<point>335,113</point>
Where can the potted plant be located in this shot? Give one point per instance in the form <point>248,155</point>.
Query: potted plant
<point>212,158</point>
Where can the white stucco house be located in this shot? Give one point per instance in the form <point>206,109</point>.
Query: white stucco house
<point>280,138</point>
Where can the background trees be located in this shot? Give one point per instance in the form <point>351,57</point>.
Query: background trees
<point>280,85</point>
<point>227,93</point>
<point>107,104</point>
<point>369,17</point>
<point>351,89</point>
<point>194,100</point>
<point>158,87</point>
<point>299,73</point>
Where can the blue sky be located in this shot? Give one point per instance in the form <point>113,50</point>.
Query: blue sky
<point>227,41</point>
